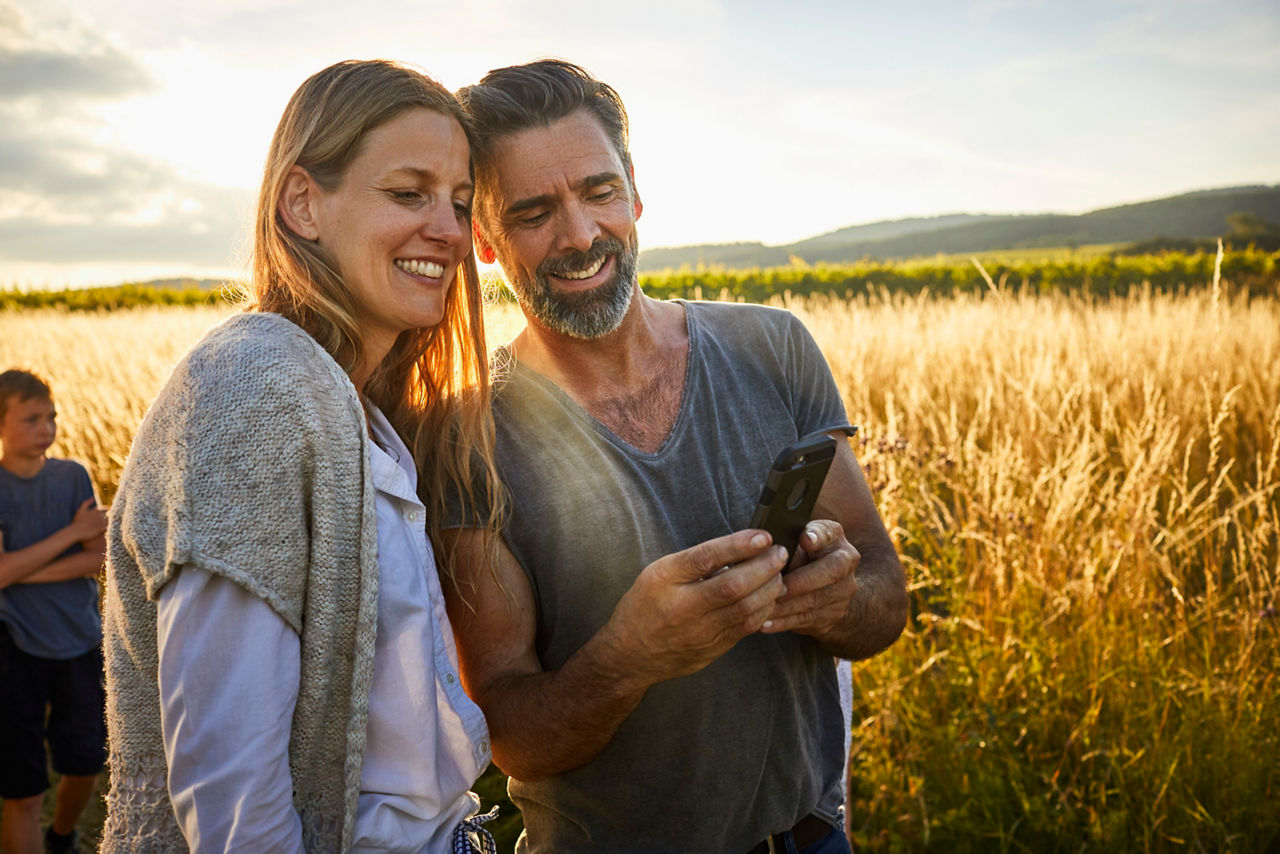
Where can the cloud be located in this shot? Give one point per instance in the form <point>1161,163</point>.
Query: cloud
<point>66,58</point>
<point>43,72</point>
<point>68,194</point>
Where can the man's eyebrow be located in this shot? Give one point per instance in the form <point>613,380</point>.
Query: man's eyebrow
<point>598,179</point>
<point>518,207</point>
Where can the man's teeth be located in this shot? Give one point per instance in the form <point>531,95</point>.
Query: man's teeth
<point>422,268</point>
<point>585,274</point>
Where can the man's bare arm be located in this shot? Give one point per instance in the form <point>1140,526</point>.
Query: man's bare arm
<point>680,615</point>
<point>851,593</point>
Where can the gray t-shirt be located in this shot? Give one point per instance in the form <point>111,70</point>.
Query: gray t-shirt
<point>752,743</point>
<point>56,620</point>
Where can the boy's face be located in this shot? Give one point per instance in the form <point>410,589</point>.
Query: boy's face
<point>28,427</point>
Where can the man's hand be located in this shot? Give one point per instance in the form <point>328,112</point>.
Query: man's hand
<point>847,590</point>
<point>682,612</point>
<point>687,609</point>
<point>89,522</point>
<point>820,588</point>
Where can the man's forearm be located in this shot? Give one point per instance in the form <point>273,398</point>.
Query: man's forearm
<point>877,612</point>
<point>682,612</point>
<point>547,723</point>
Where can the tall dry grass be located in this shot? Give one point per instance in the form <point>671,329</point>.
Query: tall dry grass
<point>105,368</point>
<point>1085,495</point>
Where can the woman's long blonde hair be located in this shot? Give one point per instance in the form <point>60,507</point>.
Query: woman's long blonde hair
<point>433,386</point>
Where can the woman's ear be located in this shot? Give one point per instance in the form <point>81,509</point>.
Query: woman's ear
<point>484,250</point>
<point>298,202</point>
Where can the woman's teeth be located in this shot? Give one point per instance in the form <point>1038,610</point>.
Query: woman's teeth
<point>421,268</point>
<point>587,273</point>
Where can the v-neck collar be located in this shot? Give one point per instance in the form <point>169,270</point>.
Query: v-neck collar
<point>682,418</point>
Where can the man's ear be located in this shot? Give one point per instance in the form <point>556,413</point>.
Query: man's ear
<point>484,250</point>
<point>636,205</point>
<point>298,201</point>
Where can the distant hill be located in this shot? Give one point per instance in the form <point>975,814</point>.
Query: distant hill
<point>1200,214</point>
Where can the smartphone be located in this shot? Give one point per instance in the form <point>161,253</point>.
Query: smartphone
<point>791,489</point>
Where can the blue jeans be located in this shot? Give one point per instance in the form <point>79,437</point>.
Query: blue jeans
<point>834,842</point>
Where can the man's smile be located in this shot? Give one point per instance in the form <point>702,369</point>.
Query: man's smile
<point>585,273</point>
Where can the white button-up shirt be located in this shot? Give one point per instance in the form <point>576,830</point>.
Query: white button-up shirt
<point>229,678</point>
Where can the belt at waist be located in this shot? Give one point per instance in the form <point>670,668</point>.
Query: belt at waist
<point>807,831</point>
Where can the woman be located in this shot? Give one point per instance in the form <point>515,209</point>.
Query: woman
<point>280,671</point>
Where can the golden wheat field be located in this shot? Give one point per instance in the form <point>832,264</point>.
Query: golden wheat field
<point>1086,495</point>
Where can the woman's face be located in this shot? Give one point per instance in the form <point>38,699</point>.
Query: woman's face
<point>398,225</point>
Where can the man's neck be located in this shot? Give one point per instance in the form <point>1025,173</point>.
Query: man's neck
<point>631,380</point>
<point>622,357</point>
<point>22,466</point>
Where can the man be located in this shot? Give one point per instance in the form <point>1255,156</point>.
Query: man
<point>652,681</point>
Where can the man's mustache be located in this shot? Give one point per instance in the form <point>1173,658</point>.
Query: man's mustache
<point>602,248</point>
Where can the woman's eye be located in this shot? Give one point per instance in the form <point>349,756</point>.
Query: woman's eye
<point>462,209</point>
<point>407,197</point>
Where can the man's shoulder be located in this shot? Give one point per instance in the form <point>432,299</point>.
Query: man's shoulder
<point>740,311</point>
<point>744,327</point>
<point>742,315</point>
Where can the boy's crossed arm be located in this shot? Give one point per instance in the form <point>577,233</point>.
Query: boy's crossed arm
<point>42,562</point>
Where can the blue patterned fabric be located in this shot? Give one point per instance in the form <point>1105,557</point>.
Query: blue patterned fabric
<point>470,837</point>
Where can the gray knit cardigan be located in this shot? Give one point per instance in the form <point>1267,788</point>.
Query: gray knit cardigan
<point>252,464</point>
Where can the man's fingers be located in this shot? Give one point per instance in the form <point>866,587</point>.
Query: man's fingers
<point>751,612</point>
<point>743,581</point>
<point>820,535</point>
<point>820,590</point>
<point>709,558</point>
<point>824,570</point>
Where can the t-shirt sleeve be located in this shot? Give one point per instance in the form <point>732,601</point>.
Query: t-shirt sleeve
<point>815,399</point>
<point>83,486</point>
<point>81,489</point>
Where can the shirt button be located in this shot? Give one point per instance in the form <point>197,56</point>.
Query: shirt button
<point>448,677</point>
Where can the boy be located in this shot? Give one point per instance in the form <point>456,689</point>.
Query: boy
<point>51,547</point>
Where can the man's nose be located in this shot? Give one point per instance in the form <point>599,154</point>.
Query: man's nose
<point>579,229</point>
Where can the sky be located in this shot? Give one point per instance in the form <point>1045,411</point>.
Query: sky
<point>132,132</point>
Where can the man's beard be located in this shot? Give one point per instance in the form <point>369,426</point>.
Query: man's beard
<point>585,314</point>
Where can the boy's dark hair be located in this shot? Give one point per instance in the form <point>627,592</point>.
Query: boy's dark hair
<point>539,94</point>
<point>23,385</point>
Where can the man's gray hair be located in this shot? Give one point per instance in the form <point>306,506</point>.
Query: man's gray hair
<point>539,94</point>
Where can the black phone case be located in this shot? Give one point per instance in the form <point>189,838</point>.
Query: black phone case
<point>791,489</point>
